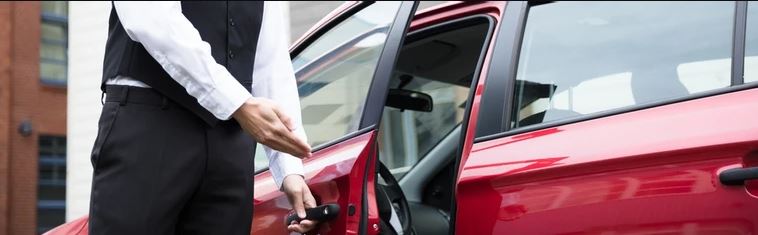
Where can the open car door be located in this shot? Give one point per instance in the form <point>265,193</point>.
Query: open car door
<point>343,68</point>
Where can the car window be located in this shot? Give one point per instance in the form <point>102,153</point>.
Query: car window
<point>406,136</point>
<point>334,74</point>
<point>585,57</point>
<point>442,66</point>
<point>751,43</point>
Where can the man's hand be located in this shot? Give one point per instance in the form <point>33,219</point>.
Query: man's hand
<point>301,198</point>
<point>265,121</point>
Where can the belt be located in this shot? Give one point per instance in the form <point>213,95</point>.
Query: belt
<point>136,95</point>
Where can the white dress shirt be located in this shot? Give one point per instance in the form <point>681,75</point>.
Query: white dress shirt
<point>175,43</point>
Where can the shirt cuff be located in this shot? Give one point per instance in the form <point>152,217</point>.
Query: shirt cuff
<point>225,98</point>
<point>283,165</point>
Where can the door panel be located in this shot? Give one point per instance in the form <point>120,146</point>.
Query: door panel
<point>335,175</point>
<point>639,172</point>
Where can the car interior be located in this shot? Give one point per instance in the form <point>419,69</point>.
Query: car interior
<point>421,125</point>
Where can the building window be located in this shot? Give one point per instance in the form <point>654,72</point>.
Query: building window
<point>51,192</point>
<point>53,50</point>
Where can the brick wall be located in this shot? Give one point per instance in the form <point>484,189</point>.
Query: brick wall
<point>5,32</point>
<point>23,98</point>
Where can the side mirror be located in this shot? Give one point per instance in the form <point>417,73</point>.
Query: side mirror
<point>410,100</point>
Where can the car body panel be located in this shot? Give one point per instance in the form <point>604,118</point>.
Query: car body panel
<point>650,170</point>
<point>75,227</point>
<point>335,175</point>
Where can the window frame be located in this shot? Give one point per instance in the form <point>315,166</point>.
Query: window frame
<point>450,25</point>
<point>57,20</point>
<point>366,123</point>
<point>378,88</point>
<point>500,84</point>
<point>55,160</point>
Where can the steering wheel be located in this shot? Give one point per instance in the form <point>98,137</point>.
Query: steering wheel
<point>393,195</point>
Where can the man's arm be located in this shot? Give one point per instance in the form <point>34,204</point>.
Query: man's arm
<point>274,78</point>
<point>176,45</point>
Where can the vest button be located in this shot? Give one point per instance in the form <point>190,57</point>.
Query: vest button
<point>231,22</point>
<point>231,54</point>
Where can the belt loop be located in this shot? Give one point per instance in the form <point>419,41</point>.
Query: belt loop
<point>102,98</point>
<point>164,103</point>
<point>124,95</point>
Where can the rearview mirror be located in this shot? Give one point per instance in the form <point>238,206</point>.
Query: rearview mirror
<point>410,100</point>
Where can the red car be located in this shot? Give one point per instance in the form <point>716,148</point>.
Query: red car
<point>527,118</point>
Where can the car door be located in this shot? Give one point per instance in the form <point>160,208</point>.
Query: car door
<point>623,118</point>
<point>343,68</point>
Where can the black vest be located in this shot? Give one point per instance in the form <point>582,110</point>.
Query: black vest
<point>231,28</point>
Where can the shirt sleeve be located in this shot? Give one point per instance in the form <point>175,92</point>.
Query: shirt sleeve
<point>176,45</point>
<point>274,78</point>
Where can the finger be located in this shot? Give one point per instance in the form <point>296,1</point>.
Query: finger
<point>308,200</point>
<point>308,224</point>
<point>283,140</point>
<point>292,144</point>
<point>303,227</point>
<point>297,204</point>
<point>295,228</point>
<point>286,120</point>
<point>284,144</point>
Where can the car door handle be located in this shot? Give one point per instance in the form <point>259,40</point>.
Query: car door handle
<point>737,176</point>
<point>320,213</point>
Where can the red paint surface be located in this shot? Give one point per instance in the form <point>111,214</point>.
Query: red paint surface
<point>653,170</point>
<point>334,174</point>
<point>74,227</point>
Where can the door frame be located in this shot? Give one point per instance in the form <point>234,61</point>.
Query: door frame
<point>377,92</point>
<point>378,89</point>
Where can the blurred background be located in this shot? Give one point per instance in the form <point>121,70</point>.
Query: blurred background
<point>50,68</point>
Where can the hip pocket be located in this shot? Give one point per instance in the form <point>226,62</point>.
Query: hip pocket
<point>105,124</point>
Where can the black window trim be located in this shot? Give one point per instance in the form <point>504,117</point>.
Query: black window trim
<point>493,105</point>
<point>738,42</point>
<point>514,22</point>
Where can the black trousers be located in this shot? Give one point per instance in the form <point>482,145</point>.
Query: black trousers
<point>158,169</point>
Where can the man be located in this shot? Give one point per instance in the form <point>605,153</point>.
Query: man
<point>174,152</point>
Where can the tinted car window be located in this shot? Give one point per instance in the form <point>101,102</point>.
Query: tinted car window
<point>751,43</point>
<point>334,74</point>
<point>442,66</point>
<point>585,57</point>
